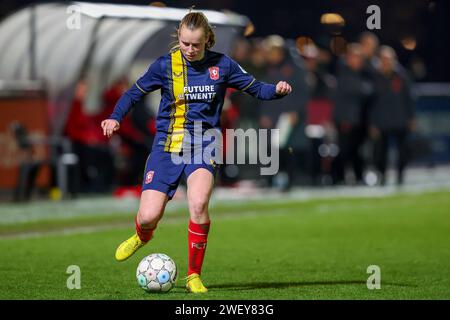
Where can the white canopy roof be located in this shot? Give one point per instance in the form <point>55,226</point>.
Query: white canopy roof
<point>38,43</point>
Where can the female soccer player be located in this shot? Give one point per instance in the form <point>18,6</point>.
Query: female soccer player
<point>193,81</point>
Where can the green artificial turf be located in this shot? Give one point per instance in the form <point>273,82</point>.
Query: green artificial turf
<point>317,249</point>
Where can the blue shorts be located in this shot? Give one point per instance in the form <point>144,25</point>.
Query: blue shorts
<point>162,173</point>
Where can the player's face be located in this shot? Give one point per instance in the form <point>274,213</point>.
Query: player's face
<point>192,43</point>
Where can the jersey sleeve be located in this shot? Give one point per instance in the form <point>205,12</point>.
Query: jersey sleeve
<point>150,81</point>
<point>241,80</point>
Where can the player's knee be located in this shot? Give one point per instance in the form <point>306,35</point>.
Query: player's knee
<point>148,217</point>
<point>199,209</point>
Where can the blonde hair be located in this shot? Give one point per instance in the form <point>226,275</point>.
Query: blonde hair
<point>192,21</point>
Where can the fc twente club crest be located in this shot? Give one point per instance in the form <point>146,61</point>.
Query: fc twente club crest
<point>214,73</point>
<point>149,177</point>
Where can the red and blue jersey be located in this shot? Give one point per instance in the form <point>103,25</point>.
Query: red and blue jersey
<point>190,92</point>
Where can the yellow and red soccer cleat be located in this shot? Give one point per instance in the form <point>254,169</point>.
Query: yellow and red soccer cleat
<point>194,284</point>
<point>129,247</point>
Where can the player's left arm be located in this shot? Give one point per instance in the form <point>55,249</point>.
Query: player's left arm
<point>241,80</point>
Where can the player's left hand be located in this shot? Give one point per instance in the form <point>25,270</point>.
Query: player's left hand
<point>283,88</point>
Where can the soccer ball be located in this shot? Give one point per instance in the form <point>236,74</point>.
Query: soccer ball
<point>156,273</point>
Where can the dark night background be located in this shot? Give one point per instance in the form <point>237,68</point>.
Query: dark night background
<point>425,20</point>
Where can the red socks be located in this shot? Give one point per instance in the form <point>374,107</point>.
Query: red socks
<point>197,238</point>
<point>145,234</point>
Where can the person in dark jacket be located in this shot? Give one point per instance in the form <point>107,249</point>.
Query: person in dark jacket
<point>289,114</point>
<point>370,46</point>
<point>352,90</point>
<point>392,114</point>
<point>319,108</point>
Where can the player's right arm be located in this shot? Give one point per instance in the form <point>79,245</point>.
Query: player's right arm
<point>150,81</point>
<point>241,80</point>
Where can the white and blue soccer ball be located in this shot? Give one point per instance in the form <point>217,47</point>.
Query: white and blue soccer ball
<point>156,273</point>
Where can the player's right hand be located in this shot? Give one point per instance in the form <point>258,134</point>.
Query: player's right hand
<point>283,88</point>
<point>110,126</point>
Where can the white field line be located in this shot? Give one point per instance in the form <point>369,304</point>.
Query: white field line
<point>319,209</point>
<point>172,220</point>
<point>438,180</point>
<point>107,206</point>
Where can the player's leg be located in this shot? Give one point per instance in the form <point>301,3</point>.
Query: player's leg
<point>199,188</point>
<point>151,209</point>
<point>161,178</point>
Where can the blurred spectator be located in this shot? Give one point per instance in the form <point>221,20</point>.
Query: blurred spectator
<point>370,45</point>
<point>320,85</point>
<point>29,164</point>
<point>95,158</point>
<point>38,153</point>
<point>240,108</point>
<point>352,91</point>
<point>320,82</point>
<point>229,173</point>
<point>241,52</point>
<point>289,113</point>
<point>251,57</point>
<point>135,136</point>
<point>392,114</point>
